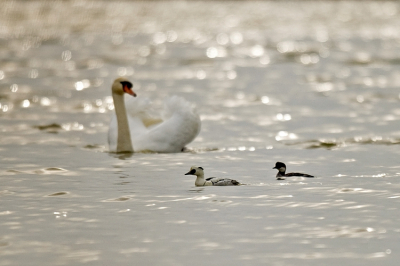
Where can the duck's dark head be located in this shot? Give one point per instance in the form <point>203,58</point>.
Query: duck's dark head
<point>280,166</point>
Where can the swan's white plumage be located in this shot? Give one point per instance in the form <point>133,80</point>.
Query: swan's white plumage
<point>179,125</point>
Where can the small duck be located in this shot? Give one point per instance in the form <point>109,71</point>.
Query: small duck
<point>212,181</point>
<point>282,169</point>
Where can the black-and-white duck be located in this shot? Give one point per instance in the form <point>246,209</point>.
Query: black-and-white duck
<point>281,175</point>
<point>212,181</point>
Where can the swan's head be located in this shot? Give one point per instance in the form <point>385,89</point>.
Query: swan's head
<point>197,171</point>
<point>121,86</point>
<point>280,166</point>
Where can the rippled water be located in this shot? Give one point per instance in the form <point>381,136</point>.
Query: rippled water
<point>313,84</point>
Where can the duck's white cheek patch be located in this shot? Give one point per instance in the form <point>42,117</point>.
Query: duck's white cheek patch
<point>282,169</point>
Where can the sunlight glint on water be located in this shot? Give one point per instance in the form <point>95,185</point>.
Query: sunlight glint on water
<point>312,84</point>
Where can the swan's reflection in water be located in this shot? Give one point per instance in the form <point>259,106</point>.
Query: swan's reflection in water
<point>122,156</point>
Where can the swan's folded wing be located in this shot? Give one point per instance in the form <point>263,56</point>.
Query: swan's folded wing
<point>151,121</point>
<point>180,126</point>
<point>142,108</point>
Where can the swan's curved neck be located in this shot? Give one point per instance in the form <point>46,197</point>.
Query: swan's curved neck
<point>124,143</point>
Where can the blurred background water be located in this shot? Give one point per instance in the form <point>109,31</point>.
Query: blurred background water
<point>312,84</point>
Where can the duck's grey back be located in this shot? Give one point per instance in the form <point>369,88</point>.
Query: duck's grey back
<point>223,181</point>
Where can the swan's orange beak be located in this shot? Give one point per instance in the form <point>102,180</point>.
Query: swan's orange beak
<point>129,90</point>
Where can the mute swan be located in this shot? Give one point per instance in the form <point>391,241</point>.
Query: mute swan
<point>134,129</point>
<point>212,181</point>
<point>282,169</point>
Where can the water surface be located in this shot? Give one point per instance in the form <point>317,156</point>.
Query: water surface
<point>312,84</point>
